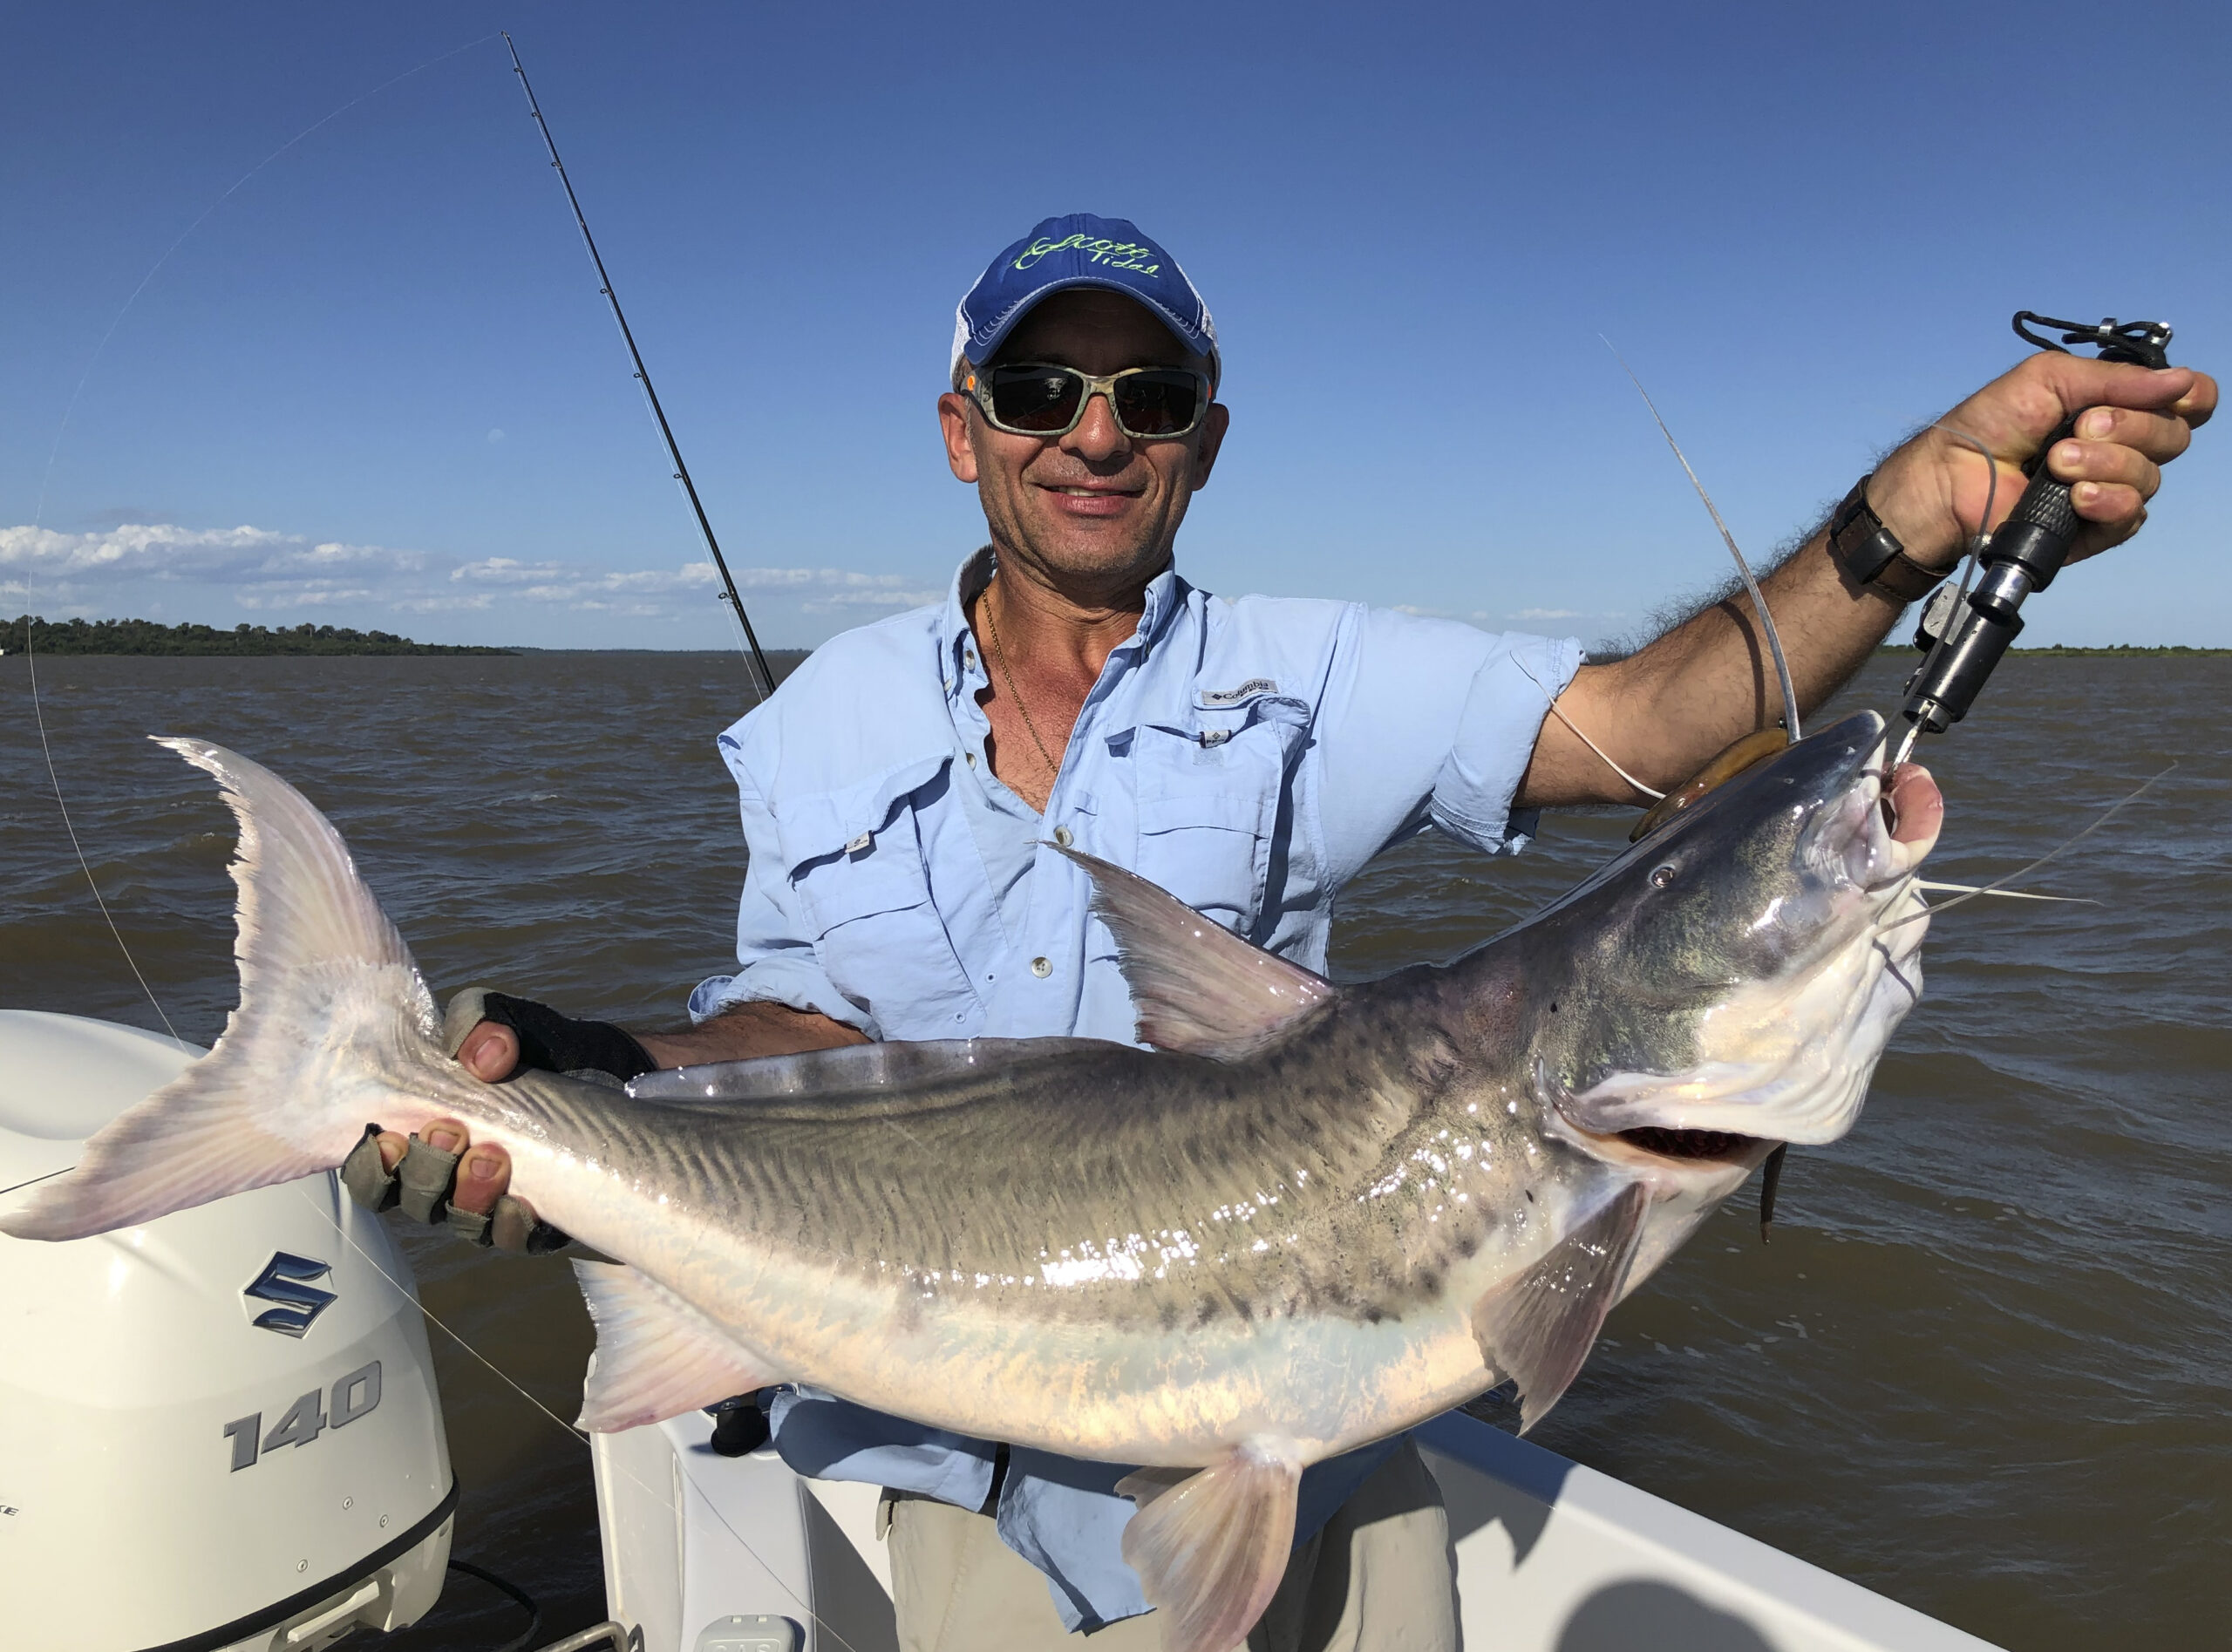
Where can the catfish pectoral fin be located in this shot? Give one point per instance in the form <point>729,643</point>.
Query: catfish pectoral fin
<point>656,1356</point>
<point>1211,1549</point>
<point>1537,1329</point>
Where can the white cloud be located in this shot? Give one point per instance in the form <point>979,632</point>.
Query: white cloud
<point>831,588</point>
<point>264,571</point>
<point>261,568</point>
<point>641,591</point>
<point>1499,616</point>
<point>837,602</point>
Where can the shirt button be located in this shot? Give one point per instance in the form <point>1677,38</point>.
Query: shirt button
<point>969,758</point>
<point>968,658</point>
<point>1062,838</point>
<point>1041,968</point>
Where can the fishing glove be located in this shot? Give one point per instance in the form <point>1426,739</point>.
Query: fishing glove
<point>596,1050</point>
<point>421,1184</point>
<point>423,1181</point>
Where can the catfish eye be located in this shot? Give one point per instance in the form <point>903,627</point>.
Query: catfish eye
<point>1661,876</point>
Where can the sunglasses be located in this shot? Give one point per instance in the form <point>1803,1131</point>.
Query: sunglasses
<point>1039,398</point>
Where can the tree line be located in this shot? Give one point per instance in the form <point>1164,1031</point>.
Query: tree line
<point>148,637</point>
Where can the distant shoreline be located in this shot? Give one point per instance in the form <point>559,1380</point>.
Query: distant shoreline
<point>149,637</point>
<point>2118,651</point>
<point>125,638</point>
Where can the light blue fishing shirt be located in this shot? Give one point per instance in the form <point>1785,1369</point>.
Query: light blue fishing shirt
<point>1249,755</point>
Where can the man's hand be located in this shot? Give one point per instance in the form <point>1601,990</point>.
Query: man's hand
<point>490,1052</point>
<point>481,1179</point>
<point>494,1035</point>
<point>1931,492</point>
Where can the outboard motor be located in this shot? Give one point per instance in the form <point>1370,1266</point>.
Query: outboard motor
<point>220,1430</point>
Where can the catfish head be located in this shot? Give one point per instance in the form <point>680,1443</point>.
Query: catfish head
<point>1728,982</point>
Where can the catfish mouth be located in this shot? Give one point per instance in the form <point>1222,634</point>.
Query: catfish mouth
<point>1724,1145</point>
<point>1786,1057</point>
<point>1883,828</point>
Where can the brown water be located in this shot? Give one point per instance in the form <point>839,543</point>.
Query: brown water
<point>1984,1368</point>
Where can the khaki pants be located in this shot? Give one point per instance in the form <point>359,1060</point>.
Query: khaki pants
<point>1376,1578</point>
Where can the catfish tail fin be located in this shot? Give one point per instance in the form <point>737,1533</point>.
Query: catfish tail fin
<point>335,1027</point>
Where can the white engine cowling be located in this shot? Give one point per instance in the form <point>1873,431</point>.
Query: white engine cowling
<point>219,1430</point>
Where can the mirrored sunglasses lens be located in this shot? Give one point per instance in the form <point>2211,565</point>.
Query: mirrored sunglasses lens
<point>1034,399</point>
<point>1158,404</point>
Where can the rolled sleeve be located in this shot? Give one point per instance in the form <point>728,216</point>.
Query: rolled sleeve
<point>1431,722</point>
<point>774,946</point>
<point>1503,719</point>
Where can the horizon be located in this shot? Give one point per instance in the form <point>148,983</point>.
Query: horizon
<point>1892,645</point>
<point>373,383</point>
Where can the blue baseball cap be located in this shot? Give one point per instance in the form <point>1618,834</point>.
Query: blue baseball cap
<point>1080,250</point>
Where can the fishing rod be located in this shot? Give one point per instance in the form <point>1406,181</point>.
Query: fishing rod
<point>644,377</point>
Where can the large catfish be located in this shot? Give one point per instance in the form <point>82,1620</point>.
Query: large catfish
<point>1309,1216</point>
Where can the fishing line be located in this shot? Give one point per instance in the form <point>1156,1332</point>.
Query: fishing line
<point>38,515</point>
<point>35,1180</point>
<point>1998,884</point>
<point>578,1435</point>
<point>54,779</point>
<point>1929,886</point>
<point>1759,602</point>
<point>1968,565</point>
<point>1649,791</point>
<point>46,481</point>
<point>61,803</point>
<point>431,1316</point>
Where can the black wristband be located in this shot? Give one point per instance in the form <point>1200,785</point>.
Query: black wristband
<point>1870,554</point>
<point>554,1043</point>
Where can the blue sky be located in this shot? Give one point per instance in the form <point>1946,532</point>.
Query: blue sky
<point>376,386</point>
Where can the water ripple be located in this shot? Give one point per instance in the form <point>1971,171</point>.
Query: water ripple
<point>1986,1367</point>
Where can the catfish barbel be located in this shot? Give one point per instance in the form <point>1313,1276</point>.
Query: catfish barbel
<point>1308,1217</point>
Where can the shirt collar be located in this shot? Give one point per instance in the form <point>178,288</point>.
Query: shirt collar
<point>1166,596</point>
<point>956,641</point>
<point>1166,599</point>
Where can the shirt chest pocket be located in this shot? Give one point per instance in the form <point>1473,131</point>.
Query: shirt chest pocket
<point>1208,803</point>
<point>866,901</point>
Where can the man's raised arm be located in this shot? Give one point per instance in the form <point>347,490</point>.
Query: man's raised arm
<point>1663,710</point>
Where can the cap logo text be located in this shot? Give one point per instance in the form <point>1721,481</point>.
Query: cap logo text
<point>1117,255</point>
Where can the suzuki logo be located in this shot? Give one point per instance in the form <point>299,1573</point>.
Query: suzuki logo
<point>286,1280</point>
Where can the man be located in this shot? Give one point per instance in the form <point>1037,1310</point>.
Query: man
<point>1251,756</point>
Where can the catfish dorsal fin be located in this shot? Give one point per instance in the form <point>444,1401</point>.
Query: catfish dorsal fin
<point>1199,989</point>
<point>1538,1328</point>
<point>656,1356</point>
<point>1210,1550</point>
